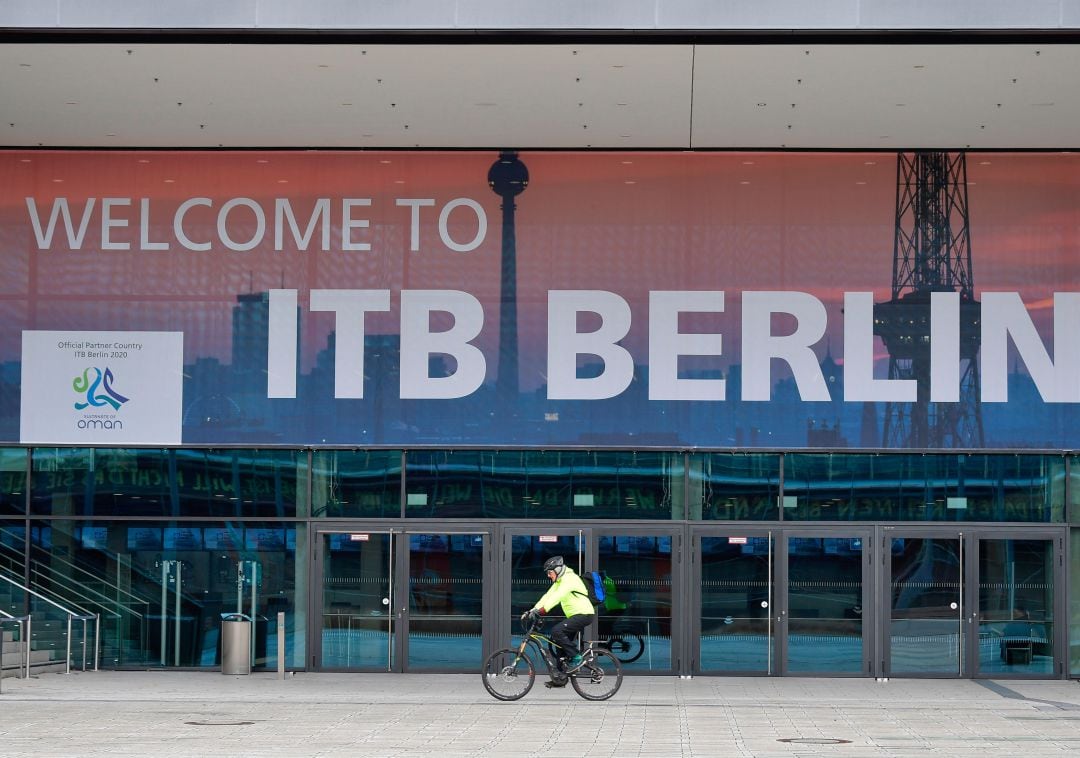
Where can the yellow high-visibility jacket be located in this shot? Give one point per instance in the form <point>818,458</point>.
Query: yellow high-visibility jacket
<point>569,592</point>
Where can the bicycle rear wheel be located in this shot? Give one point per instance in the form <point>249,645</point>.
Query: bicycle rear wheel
<point>626,647</point>
<point>508,675</point>
<point>599,678</point>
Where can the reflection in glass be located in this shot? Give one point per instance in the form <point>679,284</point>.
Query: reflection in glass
<point>1016,608</point>
<point>13,552</point>
<point>736,594</point>
<point>734,486</point>
<point>446,573</point>
<point>356,483</point>
<point>543,484</point>
<point>161,586</point>
<point>12,480</point>
<point>357,617</point>
<point>157,482</point>
<point>925,628</point>
<point>915,487</point>
<point>825,611</point>
<point>635,617</point>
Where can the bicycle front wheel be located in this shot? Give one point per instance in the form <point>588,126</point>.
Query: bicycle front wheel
<point>508,675</point>
<point>599,678</point>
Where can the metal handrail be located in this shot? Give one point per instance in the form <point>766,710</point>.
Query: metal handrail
<point>93,577</point>
<point>83,594</point>
<point>84,617</point>
<point>83,585</point>
<point>48,600</point>
<point>78,589</point>
<point>24,634</point>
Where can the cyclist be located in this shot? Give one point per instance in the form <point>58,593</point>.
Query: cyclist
<point>568,591</point>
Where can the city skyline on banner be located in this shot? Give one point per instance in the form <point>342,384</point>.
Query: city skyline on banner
<point>653,299</point>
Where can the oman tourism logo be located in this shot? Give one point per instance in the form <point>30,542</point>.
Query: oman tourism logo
<point>97,388</point>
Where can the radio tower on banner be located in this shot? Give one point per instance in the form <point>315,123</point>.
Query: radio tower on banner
<point>931,253</point>
<point>508,177</point>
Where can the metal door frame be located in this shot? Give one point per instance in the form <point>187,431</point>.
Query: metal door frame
<point>315,599</point>
<point>502,629</point>
<point>680,652</point>
<point>1058,539</point>
<point>693,649</point>
<point>870,581</point>
<point>883,590</point>
<point>487,585</point>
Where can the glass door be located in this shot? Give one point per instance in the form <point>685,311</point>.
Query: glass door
<point>825,589</point>
<point>527,550</point>
<point>1017,577</point>
<point>924,628</point>
<point>445,612</point>
<point>734,620</point>
<point>355,623</point>
<point>637,619</point>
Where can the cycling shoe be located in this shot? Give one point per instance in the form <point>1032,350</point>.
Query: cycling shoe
<point>555,684</point>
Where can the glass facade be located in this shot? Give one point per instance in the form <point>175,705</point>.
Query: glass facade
<point>161,587</point>
<point>541,484</point>
<point>12,481</point>
<point>178,483</point>
<point>948,487</point>
<point>356,484</point>
<point>161,542</point>
<point>734,486</point>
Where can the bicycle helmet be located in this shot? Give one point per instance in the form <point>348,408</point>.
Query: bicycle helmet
<point>554,563</point>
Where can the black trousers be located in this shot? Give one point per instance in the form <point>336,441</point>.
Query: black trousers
<point>566,630</point>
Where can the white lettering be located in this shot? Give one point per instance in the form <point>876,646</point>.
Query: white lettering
<point>223,225</point>
<point>144,228</point>
<point>1004,316</point>
<point>419,343</point>
<point>414,218</point>
<point>283,212</point>
<point>178,223</point>
<point>349,306</point>
<point>759,346</point>
<point>281,347</point>
<point>108,222</point>
<point>666,344</point>
<point>348,223</point>
<point>945,347</point>
<point>565,344</point>
<point>60,208</point>
<point>859,382</point>
<point>481,225</point>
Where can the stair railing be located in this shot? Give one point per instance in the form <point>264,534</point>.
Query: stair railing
<point>24,640</point>
<point>84,617</point>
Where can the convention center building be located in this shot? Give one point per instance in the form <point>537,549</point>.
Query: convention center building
<point>345,317</point>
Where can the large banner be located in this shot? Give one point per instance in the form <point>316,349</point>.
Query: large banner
<point>717,300</point>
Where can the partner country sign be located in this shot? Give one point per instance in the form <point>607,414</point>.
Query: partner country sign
<point>101,388</point>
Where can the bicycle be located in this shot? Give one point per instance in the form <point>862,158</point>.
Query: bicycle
<point>508,674</point>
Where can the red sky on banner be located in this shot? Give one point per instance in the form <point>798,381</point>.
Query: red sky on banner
<point>626,222</point>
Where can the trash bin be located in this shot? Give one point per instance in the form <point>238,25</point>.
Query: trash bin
<point>235,643</point>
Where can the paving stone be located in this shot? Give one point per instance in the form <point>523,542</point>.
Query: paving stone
<point>200,713</point>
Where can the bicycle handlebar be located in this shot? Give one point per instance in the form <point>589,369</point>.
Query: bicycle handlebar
<point>530,624</point>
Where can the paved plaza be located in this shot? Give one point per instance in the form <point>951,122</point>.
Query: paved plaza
<point>205,714</point>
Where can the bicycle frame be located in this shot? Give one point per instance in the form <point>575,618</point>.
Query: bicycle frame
<point>540,642</point>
